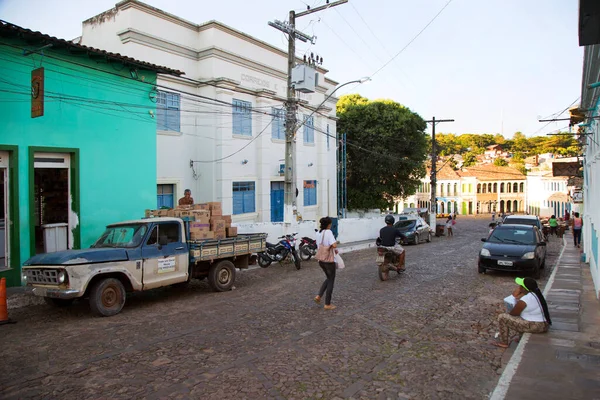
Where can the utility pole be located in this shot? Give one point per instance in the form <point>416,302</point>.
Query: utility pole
<point>433,178</point>
<point>291,104</point>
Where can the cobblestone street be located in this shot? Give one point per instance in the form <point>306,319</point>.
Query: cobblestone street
<point>422,335</point>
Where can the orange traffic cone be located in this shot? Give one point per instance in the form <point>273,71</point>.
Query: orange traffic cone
<point>3,306</point>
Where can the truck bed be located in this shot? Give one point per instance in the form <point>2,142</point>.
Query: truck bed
<point>212,249</point>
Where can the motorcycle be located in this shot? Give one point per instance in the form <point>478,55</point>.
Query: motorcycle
<point>388,261</point>
<point>307,248</point>
<point>284,249</point>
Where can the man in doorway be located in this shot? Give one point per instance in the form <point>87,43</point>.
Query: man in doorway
<point>187,199</point>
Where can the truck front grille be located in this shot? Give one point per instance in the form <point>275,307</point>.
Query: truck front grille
<point>43,276</point>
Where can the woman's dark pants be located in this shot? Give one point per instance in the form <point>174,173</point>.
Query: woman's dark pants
<point>329,269</point>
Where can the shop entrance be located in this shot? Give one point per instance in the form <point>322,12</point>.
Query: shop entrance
<point>51,195</point>
<point>4,216</point>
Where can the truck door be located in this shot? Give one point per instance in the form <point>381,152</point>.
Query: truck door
<point>165,256</point>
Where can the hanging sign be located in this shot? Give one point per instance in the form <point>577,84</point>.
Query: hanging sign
<point>37,92</point>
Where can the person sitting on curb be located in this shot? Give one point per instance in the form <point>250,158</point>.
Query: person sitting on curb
<point>529,314</point>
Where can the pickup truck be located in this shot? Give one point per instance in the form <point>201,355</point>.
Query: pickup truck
<point>134,256</point>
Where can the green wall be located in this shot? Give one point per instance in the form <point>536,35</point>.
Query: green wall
<point>105,120</point>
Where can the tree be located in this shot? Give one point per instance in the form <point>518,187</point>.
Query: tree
<point>469,159</point>
<point>500,162</point>
<point>387,149</point>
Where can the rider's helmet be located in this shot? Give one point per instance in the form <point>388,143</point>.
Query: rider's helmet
<point>389,219</point>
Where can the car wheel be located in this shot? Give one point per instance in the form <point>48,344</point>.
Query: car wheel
<point>480,269</point>
<point>429,237</point>
<point>535,274</point>
<point>543,265</point>
<point>416,240</point>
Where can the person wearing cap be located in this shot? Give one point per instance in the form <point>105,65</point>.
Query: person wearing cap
<point>530,313</point>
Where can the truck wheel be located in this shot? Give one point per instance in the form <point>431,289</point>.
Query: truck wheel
<point>107,297</point>
<point>58,302</point>
<point>221,276</point>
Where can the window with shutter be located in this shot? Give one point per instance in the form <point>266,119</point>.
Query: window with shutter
<point>309,129</point>
<point>242,117</point>
<point>168,113</point>
<point>244,197</point>
<point>310,193</point>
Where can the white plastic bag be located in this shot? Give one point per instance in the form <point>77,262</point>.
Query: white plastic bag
<point>510,302</point>
<point>339,263</point>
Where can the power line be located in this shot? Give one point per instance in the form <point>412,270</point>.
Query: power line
<point>565,109</point>
<point>413,39</point>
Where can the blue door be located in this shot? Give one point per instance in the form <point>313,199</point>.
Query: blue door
<point>277,198</point>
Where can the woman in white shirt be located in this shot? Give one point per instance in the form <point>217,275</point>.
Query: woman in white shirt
<point>325,238</point>
<point>530,313</point>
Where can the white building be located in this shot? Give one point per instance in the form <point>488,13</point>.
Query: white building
<point>547,194</point>
<point>591,162</point>
<point>217,134</point>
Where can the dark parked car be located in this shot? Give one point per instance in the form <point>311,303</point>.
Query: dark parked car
<point>518,248</point>
<point>415,229</point>
<point>532,220</point>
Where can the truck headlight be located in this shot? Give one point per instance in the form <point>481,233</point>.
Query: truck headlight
<point>529,256</point>
<point>61,276</point>
<point>485,253</point>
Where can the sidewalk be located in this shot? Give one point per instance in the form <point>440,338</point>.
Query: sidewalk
<point>565,362</point>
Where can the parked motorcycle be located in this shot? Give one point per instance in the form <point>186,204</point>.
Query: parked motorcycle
<point>307,248</point>
<point>284,249</point>
<point>388,261</point>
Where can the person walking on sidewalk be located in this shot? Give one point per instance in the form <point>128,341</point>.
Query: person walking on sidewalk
<point>553,222</point>
<point>529,314</point>
<point>577,226</point>
<point>326,250</point>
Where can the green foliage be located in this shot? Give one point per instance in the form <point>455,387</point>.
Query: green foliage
<point>449,144</point>
<point>388,157</point>
<point>500,162</point>
<point>469,159</point>
<point>520,167</point>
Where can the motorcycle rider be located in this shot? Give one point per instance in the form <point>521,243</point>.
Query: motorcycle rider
<point>387,236</point>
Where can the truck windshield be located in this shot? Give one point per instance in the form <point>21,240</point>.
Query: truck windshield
<point>122,236</point>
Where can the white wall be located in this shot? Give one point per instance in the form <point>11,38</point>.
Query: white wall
<point>349,229</point>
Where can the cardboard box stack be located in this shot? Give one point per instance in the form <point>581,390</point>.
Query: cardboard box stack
<point>209,221</point>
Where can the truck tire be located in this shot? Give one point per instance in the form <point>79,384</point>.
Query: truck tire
<point>107,297</point>
<point>58,302</point>
<point>221,276</point>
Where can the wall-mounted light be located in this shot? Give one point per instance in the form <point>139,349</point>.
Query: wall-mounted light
<point>244,162</point>
<point>310,164</point>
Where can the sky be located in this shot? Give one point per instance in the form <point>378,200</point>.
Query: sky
<point>494,66</point>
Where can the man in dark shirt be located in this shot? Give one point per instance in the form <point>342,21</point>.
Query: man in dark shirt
<point>388,235</point>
